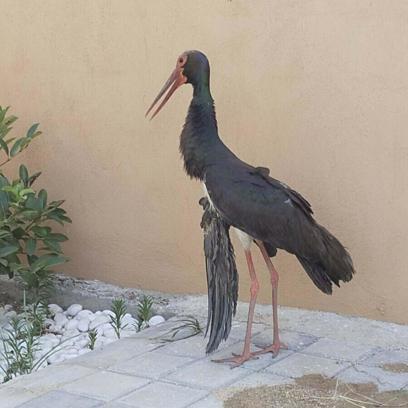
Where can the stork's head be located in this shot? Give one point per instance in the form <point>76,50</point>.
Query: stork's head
<point>191,67</point>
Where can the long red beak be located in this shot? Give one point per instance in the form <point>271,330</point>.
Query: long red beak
<point>175,80</point>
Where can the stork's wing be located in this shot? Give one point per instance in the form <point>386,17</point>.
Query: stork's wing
<point>249,199</point>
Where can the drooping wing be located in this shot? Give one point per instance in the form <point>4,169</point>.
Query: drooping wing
<point>249,199</point>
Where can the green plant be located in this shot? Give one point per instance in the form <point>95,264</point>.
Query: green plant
<point>144,311</point>
<point>29,247</point>
<point>92,336</point>
<point>20,345</point>
<point>35,314</point>
<point>189,324</point>
<point>119,310</point>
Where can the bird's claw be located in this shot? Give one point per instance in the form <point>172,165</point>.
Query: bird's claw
<point>273,348</point>
<point>237,359</point>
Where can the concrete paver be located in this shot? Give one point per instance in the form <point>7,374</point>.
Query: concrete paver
<point>207,374</point>
<point>339,350</point>
<point>298,365</point>
<point>105,385</point>
<point>61,399</point>
<point>142,371</point>
<point>151,365</point>
<point>163,395</point>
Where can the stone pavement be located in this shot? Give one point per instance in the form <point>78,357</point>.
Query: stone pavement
<point>144,372</point>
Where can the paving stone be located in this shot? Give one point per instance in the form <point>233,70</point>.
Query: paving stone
<point>163,395</point>
<point>294,340</point>
<point>208,402</point>
<point>151,365</point>
<point>238,330</point>
<point>298,365</point>
<point>61,399</point>
<point>382,357</point>
<point>155,333</point>
<point>11,397</point>
<point>115,352</point>
<point>206,374</point>
<point>105,385</point>
<point>263,360</point>
<point>192,347</point>
<point>52,377</point>
<point>385,380</point>
<point>339,350</point>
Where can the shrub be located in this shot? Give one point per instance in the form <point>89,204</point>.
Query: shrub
<point>29,247</point>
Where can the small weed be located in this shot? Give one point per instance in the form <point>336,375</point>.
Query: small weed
<point>188,322</point>
<point>92,336</point>
<point>144,311</point>
<point>20,344</point>
<point>119,310</point>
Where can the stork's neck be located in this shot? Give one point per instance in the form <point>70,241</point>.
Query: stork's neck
<point>199,139</point>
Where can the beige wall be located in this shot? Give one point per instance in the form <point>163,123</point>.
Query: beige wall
<point>315,90</point>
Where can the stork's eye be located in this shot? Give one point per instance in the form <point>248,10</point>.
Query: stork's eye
<point>182,60</point>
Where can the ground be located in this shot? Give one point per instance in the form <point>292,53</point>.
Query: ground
<point>145,372</point>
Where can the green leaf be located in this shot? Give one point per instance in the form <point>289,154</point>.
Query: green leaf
<point>58,237</point>
<point>17,146</point>
<point>3,113</point>
<point>8,249</point>
<point>32,130</point>
<point>41,231</point>
<point>26,191</point>
<point>30,214</point>
<point>23,174</point>
<point>33,203</point>
<point>4,146</point>
<point>42,195</point>
<point>33,178</point>
<point>4,197</point>
<point>54,246</point>
<point>46,261</point>
<point>10,120</point>
<point>31,245</point>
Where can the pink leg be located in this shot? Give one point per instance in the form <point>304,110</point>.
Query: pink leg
<point>276,345</point>
<point>237,360</point>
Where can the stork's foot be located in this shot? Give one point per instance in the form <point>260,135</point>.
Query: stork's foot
<point>237,359</point>
<point>273,348</point>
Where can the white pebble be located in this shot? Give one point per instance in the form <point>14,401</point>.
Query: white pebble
<point>108,313</point>
<point>74,309</point>
<point>83,325</point>
<point>109,332</point>
<point>10,314</point>
<point>72,324</point>
<point>98,321</point>
<point>85,314</point>
<point>54,309</point>
<point>7,308</point>
<point>155,320</point>
<point>82,343</point>
<point>129,321</point>
<point>60,319</point>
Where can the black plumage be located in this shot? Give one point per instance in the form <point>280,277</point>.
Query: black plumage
<point>222,275</point>
<point>245,197</point>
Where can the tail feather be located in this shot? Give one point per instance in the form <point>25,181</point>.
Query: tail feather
<point>222,276</point>
<point>332,265</point>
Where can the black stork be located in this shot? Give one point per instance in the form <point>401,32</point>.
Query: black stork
<point>261,209</point>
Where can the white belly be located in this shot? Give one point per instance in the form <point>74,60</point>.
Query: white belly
<point>246,240</point>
